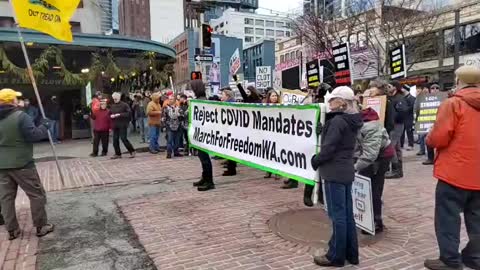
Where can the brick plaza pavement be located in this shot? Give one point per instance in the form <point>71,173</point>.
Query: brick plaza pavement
<point>227,228</point>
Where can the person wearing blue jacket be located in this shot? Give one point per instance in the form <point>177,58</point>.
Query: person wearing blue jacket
<point>335,163</point>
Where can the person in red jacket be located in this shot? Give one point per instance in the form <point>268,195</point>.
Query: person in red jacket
<point>457,168</point>
<point>103,124</point>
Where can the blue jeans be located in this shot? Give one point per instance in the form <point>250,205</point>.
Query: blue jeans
<point>172,144</point>
<point>343,244</point>
<point>142,123</point>
<point>55,130</point>
<point>422,143</point>
<point>154,133</point>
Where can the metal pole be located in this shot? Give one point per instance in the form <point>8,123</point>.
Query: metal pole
<point>456,57</point>
<point>35,89</point>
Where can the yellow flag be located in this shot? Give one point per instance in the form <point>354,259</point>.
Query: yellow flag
<point>51,17</point>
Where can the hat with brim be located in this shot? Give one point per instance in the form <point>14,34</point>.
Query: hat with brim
<point>8,95</point>
<point>343,92</point>
<point>468,74</point>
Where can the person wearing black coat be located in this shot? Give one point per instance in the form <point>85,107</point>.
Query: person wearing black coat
<point>336,166</point>
<point>121,115</point>
<point>252,96</point>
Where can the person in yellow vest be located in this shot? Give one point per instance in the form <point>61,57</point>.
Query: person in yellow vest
<point>17,167</point>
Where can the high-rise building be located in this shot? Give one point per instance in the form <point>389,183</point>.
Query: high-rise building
<point>134,18</point>
<point>166,19</point>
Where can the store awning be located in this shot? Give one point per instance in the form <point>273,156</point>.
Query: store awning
<point>90,40</point>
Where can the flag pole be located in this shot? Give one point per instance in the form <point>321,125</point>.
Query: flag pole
<point>35,89</point>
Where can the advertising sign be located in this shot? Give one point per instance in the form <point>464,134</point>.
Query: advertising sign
<point>264,77</point>
<point>427,114</point>
<point>341,59</point>
<point>235,62</point>
<point>313,73</point>
<point>278,139</point>
<point>398,63</point>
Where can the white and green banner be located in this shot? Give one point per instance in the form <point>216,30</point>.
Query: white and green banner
<point>275,138</point>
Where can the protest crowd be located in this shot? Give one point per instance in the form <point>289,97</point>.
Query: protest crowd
<point>355,139</point>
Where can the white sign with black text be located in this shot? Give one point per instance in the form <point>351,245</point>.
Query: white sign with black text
<point>264,77</point>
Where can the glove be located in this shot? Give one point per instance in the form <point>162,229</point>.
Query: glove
<point>45,122</point>
<point>313,163</point>
<point>235,77</point>
<point>319,129</point>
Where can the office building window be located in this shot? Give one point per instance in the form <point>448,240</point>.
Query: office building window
<point>259,31</point>
<point>222,24</point>
<point>470,43</point>
<point>287,34</point>
<point>293,55</point>
<point>270,24</point>
<point>260,22</point>
<point>270,33</point>
<point>280,24</point>
<point>248,39</point>
<point>249,21</point>
<point>282,58</point>
<point>249,30</point>
<point>280,33</point>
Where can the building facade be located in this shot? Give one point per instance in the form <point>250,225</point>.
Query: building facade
<point>251,27</point>
<point>134,16</point>
<point>167,19</point>
<point>258,54</point>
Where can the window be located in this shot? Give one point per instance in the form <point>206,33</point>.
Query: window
<point>470,42</point>
<point>422,48</point>
<point>259,31</point>
<point>289,25</point>
<point>270,24</point>
<point>270,33</point>
<point>449,42</point>
<point>249,30</point>
<point>248,39</point>
<point>260,22</point>
<point>7,22</point>
<point>280,24</point>
<point>216,28</point>
<point>222,24</point>
<point>280,33</point>
<point>287,34</point>
<point>249,21</point>
<point>80,5</point>
<point>282,58</point>
<point>293,55</point>
<point>76,27</point>
<point>299,54</point>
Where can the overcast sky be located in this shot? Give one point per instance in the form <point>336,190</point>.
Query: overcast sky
<point>280,5</point>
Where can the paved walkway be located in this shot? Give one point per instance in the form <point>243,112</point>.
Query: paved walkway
<point>228,228</point>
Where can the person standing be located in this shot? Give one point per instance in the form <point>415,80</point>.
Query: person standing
<point>400,111</point>
<point>409,117</point>
<point>335,164</point>
<point>140,115</point>
<point>229,96</point>
<point>120,114</point>
<point>374,153</point>
<point>455,137</point>
<point>31,110</point>
<point>422,90</point>
<point>184,122</point>
<point>52,112</point>
<point>154,113</point>
<point>271,98</point>
<point>434,89</point>
<point>206,182</point>
<point>102,125</point>
<point>249,96</point>
<point>17,166</point>
<point>171,118</point>
<point>146,99</point>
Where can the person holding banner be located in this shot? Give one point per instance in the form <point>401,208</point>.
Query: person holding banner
<point>455,137</point>
<point>17,166</point>
<point>374,153</point>
<point>229,96</point>
<point>272,98</point>
<point>335,164</point>
<point>206,182</point>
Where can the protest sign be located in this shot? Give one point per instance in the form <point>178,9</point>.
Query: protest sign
<point>263,79</point>
<point>428,109</point>
<point>398,62</point>
<point>341,59</point>
<point>292,96</point>
<point>278,139</point>
<point>379,104</point>
<point>314,77</point>
<point>235,62</point>
<point>362,203</point>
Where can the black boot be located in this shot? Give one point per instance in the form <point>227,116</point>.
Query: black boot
<point>230,173</point>
<point>2,221</point>
<point>307,196</point>
<point>396,172</point>
<point>199,183</point>
<point>207,185</point>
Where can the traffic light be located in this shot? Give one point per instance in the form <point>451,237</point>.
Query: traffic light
<point>196,75</point>
<point>207,31</point>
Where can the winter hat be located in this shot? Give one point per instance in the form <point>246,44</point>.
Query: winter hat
<point>468,74</point>
<point>343,92</point>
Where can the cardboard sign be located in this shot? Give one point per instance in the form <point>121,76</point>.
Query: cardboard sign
<point>341,59</point>
<point>379,104</point>
<point>362,203</point>
<point>264,77</point>
<point>398,63</point>
<point>429,105</point>
<point>235,62</point>
<point>292,96</point>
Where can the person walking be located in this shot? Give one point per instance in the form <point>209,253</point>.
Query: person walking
<point>102,125</point>
<point>17,166</point>
<point>335,164</point>
<point>171,118</point>
<point>206,182</point>
<point>154,113</point>
<point>120,114</point>
<point>374,153</point>
<point>52,112</point>
<point>455,137</point>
